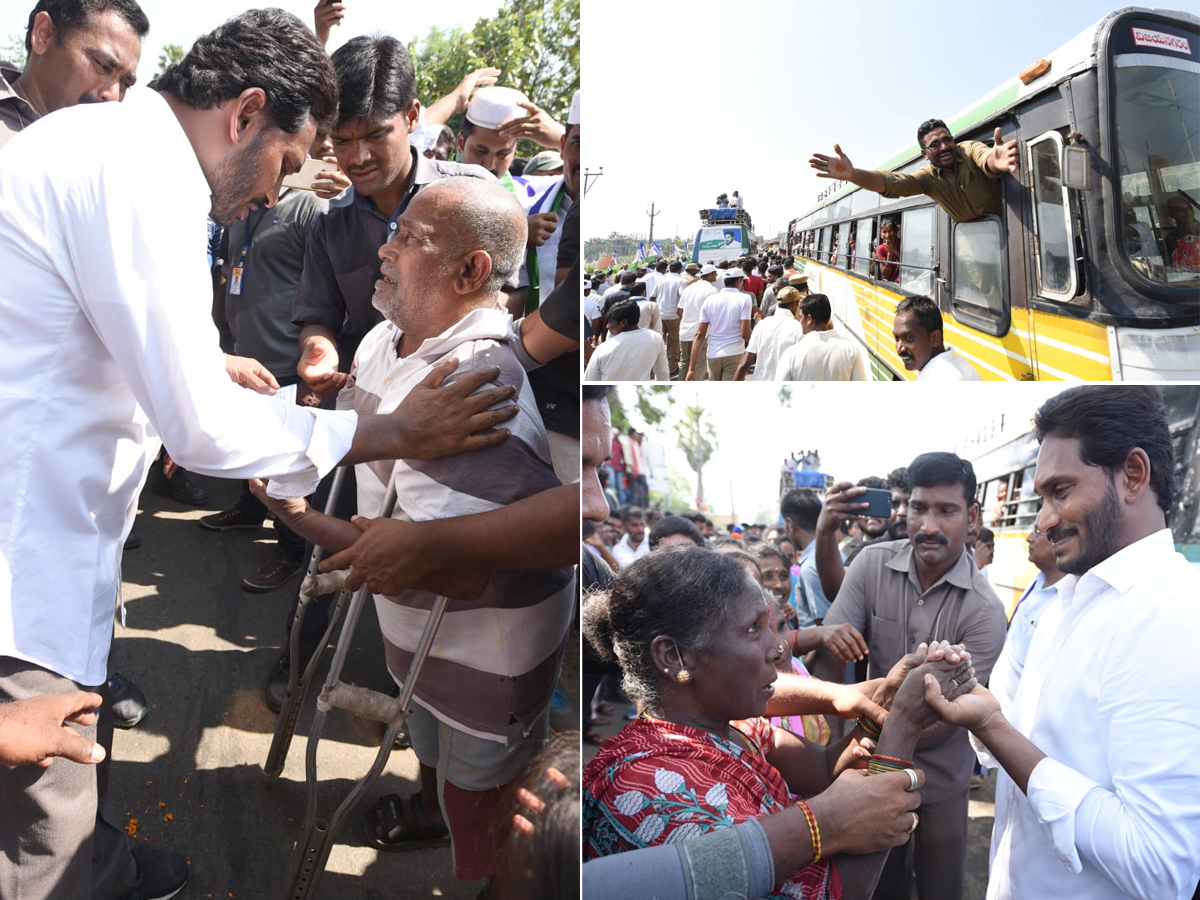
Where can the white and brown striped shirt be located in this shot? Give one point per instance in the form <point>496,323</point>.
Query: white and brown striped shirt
<point>495,659</point>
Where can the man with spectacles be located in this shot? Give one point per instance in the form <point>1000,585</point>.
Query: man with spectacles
<point>964,178</point>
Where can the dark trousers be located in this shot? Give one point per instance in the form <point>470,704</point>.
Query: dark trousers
<point>938,849</point>
<point>59,834</point>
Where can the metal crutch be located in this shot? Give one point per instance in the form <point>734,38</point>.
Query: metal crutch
<point>314,585</point>
<point>316,837</point>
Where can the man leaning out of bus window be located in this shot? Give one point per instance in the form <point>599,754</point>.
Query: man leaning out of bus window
<point>919,343</point>
<point>962,178</point>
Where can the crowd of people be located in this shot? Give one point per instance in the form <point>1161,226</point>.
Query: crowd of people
<point>411,318</point>
<point>748,318</point>
<point>759,663</point>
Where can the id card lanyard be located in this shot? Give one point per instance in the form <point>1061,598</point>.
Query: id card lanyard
<point>239,270</point>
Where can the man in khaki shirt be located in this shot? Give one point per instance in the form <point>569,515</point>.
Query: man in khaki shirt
<point>87,56</point>
<point>962,178</point>
<point>900,594</point>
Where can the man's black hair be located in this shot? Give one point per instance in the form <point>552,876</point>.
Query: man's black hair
<point>628,277</point>
<point>376,78</point>
<point>637,289</point>
<point>927,126</point>
<point>694,516</point>
<point>1110,421</point>
<point>263,48</point>
<point>466,128</point>
<point>775,271</point>
<point>928,315</point>
<point>871,481</point>
<point>986,536</point>
<point>631,512</point>
<point>817,306</point>
<point>660,266</point>
<point>625,310</point>
<point>70,14</point>
<point>802,506</point>
<point>676,267</point>
<point>941,469</point>
<point>669,525</point>
<point>595,392</point>
<point>898,478</point>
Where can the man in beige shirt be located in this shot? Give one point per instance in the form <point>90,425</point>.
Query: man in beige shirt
<point>86,56</point>
<point>822,354</point>
<point>963,178</point>
<point>900,594</point>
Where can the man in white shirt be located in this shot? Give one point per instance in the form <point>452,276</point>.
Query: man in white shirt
<point>823,354</point>
<point>648,316</point>
<point>118,355</point>
<point>636,541</point>
<point>1100,793</point>
<point>657,272</point>
<point>630,353</point>
<point>691,301</point>
<point>771,339</point>
<point>725,321</point>
<point>917,329</point>
<point>666,294</point>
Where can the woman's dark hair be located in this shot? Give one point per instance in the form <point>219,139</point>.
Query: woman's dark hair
<point>263,48</point>
<point>939,469</point>
<point>760,550</point>
<point>375,77</point>
<point>543,865</point>
<point>68,15</point>
<point>680,592</point>
<point>669,525</point>
<point>1111,420</point>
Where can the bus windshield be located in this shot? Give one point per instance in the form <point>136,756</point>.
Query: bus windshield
<point>1156,117</point>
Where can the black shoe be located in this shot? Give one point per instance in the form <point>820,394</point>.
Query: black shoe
<point>275,572</point>
<point>231,518</point>
<point>133,541</point>
<point>178,487</point>
<point>128,702</point>
<point>162,873</point>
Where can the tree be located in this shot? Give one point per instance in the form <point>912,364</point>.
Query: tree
<point>171,54</point>
<point>12,50</point>
<point>694,433</point>
<point>534,42</point>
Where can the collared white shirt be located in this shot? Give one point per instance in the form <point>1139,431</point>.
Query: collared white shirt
<point>648,314</point>
<point>1107,693</point>
<point>637,355</point>
<point>691,300</point>
<point>667,292</point>
<point>823,356</point>
<point>771,338</point>
<point>625,553</point>
<point>948,366</point>
<point>1030,608</point>
<point>724,312</point>
<point>105,304</point>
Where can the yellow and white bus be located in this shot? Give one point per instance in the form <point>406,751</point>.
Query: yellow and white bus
<point>1009,506</point>
<point>1093,271</point>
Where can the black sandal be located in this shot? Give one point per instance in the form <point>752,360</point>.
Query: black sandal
<point>400,823</point>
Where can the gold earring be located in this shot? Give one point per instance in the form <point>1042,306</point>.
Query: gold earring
<point>683,676</point>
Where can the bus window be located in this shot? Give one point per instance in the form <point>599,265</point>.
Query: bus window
<point>1156,109</point>
<point>823,255</point>
<point>843,245</point>
<point>916,251</point>
<point>864,246</point>
<point>1028,502</point>
<point>1053,248</point>
<point>978,271</point>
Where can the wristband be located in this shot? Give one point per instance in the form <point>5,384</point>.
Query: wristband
<point>813,831</point>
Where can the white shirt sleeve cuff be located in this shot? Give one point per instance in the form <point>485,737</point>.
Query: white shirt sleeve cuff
<point>982,753</point>
<point>1055,793</point>
<point>332,435</point>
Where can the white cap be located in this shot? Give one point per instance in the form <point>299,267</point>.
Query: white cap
<point>492,106</point>
<point>735,272</point>
<point>708,269</point>
<point>573,115</point>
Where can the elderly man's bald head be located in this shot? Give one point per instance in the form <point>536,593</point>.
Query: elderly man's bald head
<point>481,215</point>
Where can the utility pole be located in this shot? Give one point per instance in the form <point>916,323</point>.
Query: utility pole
<point>589,178</point>
<point>651,212</point>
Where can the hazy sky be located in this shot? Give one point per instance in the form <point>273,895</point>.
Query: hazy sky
<point>688,101</point>
<point>180,22</point>
<point>858,431</point>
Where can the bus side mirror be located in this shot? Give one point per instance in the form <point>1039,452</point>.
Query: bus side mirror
<point>1077,168</point>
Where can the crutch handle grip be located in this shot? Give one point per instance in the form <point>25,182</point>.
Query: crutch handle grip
<point>323,583</point>
<point>360,701</point>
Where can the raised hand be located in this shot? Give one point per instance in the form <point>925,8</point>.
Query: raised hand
<point>838,167</point>
<point>969,710</point>
<point>1004,155</point>
<point>325,16</point>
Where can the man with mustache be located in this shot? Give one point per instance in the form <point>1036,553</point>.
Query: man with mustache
<point>80,51</point>
<point>899,594</point>
<point>917,328</point>
<point>1095,800</point>
<point>963,178</point>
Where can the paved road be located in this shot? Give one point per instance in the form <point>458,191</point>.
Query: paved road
<point>191,773</point>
